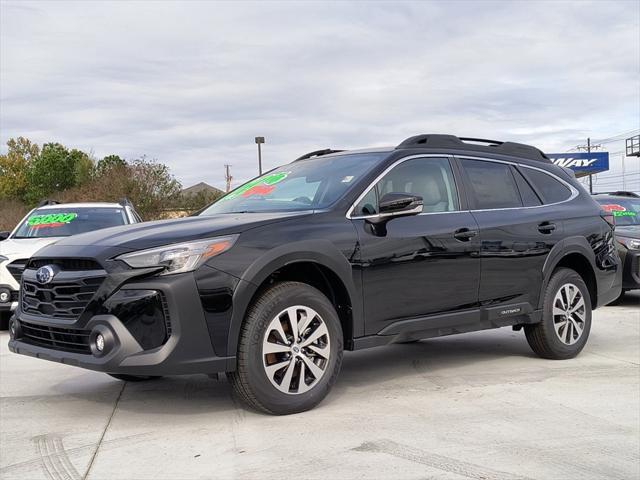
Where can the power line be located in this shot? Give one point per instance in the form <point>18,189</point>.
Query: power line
<point>619,136</point>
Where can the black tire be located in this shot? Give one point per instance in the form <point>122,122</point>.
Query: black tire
<point>542,337</point>
<point>4,320</point>
<point>250,381</point>
<point>133,378</point>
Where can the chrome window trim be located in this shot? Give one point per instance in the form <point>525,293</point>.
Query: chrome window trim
<point>572,189</point>
<point>391,167</point>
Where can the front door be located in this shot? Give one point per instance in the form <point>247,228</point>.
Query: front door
<point>422,264</point>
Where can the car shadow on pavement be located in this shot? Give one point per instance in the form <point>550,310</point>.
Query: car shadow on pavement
<point>199,394</point>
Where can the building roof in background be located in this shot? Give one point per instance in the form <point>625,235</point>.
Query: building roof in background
<point>201,187</point>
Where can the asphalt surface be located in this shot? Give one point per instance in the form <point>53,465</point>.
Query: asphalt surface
<point>477,406</point>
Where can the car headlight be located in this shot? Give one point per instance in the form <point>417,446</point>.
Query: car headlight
<point>630,243</point>
<point>179,257</point>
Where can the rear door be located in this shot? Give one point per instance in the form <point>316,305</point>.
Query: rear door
<point>517,230</point>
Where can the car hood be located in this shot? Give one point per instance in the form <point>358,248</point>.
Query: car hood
<point>24,247</point>
<point>164,232</point>
<point>628,231</point>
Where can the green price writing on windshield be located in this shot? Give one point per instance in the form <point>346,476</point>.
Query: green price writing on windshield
<point>51,220</point>
<point>259,186</point>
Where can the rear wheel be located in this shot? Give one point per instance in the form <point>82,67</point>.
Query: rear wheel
<point>132,378</point>
<point>566,318</point>
<point>290,350</point>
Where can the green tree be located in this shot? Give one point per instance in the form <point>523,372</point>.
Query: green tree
<point>14,165</point>
<point>52,171</point>
<point>83,166</point>
<point>108,163</point>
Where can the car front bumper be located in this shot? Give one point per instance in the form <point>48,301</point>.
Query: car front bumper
<point>630,269</point>
<point>187,349</point>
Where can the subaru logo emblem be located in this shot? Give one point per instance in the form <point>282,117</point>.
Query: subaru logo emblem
<point>45,274</point>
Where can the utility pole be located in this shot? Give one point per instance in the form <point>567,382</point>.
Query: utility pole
<point>228,177</point>
<point>259,142</point>
<point>588,148</point>
<point>590,176</point>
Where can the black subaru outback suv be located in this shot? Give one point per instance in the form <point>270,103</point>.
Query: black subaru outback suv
<point>338,250</point>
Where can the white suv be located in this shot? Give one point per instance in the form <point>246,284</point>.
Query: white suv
<point>44,225</point>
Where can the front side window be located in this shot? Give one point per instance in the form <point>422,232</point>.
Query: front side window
<point>304,185</point>
<point>551,190</point>
<point>429,178</point>
<point>492,184</point>
<point>63,222</point>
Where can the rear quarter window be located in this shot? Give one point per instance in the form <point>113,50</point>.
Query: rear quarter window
<point>549,189</point>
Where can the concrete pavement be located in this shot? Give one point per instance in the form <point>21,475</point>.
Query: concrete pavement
<point>478,406</point>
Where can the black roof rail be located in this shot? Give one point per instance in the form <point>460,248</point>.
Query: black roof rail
<point>46,202</point>
<point>475,145</point>
<point>317,153</point>
<point>125,202</point>
<point>620,193</point>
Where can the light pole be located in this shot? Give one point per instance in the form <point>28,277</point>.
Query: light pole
<point>259,142</point>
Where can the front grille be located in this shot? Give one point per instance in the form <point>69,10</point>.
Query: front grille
<point>66,264</point>
<point>59,300</point>
<point>16,267</point>
<point>65,339</point>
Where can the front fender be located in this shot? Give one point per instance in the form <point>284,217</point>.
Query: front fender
<point>321,252</point>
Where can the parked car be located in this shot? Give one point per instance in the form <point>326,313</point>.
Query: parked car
<point>44,225</point>
<point>625,208</point>
<point>338,250</point>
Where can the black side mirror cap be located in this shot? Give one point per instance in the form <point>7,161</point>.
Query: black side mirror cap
<point>397,205</point>
<point>4,235</point>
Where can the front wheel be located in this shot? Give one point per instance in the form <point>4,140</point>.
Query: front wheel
<point>290,350</point>
<point>566,318</point>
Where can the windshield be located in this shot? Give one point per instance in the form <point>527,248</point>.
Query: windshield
<point>625,211</point>
<point>62,222</point>
<point>303,185</point>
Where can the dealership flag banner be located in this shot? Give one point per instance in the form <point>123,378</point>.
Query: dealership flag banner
<point>584,163</point>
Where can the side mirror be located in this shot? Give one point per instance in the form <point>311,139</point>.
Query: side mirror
<point>4,235</point>
<point>397,205</point>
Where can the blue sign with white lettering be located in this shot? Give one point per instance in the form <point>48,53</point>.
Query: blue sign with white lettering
<point>583,163</point>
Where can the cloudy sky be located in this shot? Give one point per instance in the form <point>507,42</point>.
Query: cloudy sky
<point>192,83</point>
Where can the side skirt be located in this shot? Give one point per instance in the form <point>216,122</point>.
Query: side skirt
<point>439,325</point>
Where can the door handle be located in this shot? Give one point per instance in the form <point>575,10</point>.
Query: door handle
<point>546,227</point>
<point>464,234</point>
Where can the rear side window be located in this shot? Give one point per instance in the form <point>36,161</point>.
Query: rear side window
<point>492,184</point>
<point>529,196</point>
<point>551,190</point>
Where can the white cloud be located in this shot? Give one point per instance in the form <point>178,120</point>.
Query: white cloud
<point>191,83</point>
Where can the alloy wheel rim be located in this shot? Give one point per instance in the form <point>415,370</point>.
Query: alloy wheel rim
<point>569,314</point>
<point>296,350</point>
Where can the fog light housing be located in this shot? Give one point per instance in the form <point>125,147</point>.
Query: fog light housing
<point>14,328</point>
<point>5,295</point>
<point>100,342</point>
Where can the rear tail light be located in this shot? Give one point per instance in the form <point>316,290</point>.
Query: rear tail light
<point>608,217</point>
